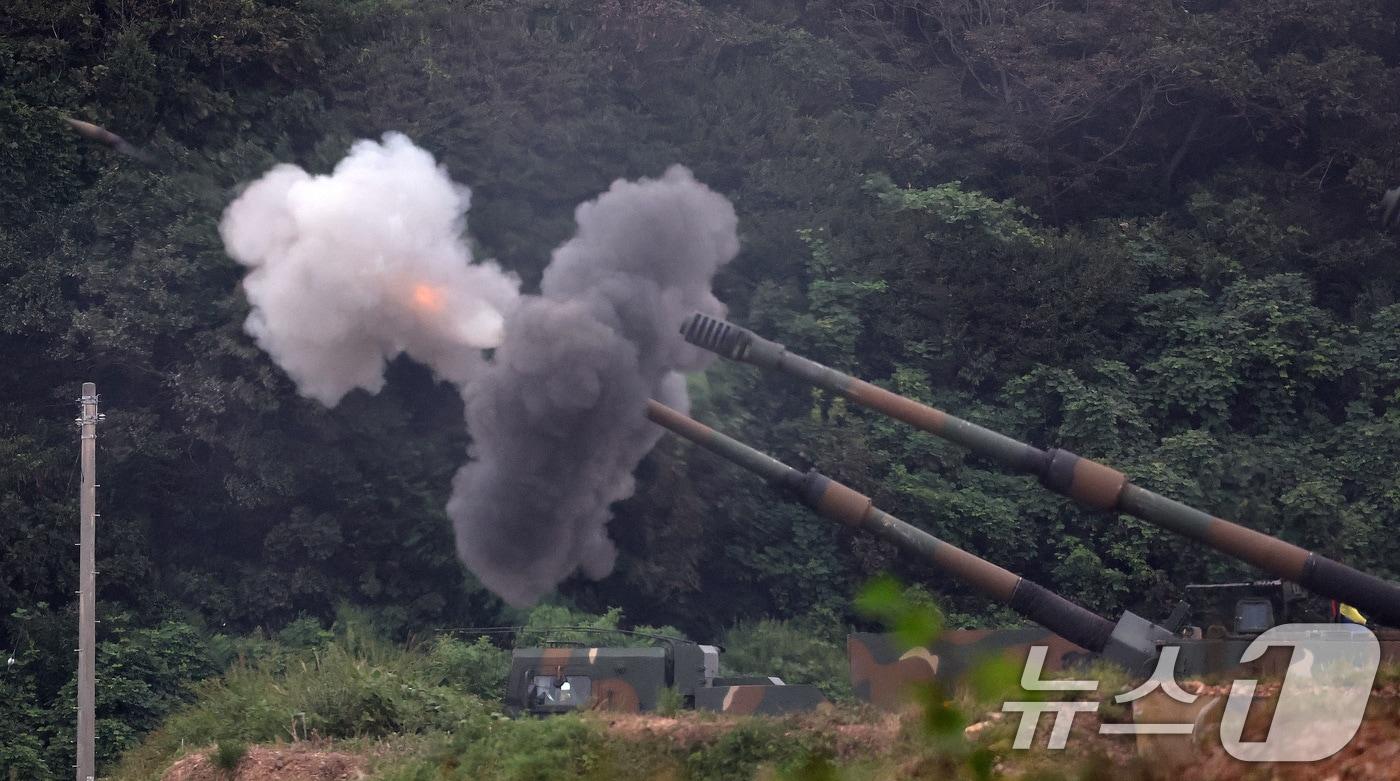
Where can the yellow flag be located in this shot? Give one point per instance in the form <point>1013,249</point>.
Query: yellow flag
<point>1352,614</point>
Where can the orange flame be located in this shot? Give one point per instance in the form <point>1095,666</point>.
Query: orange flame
<point>427,298</point>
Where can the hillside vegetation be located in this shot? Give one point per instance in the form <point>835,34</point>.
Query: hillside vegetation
<point>434,704</point>
<point>353,703</point>
<point>1144,230</point>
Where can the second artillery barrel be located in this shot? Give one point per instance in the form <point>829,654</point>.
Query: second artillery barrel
<point>854,509</point>
<point>1086,481</point>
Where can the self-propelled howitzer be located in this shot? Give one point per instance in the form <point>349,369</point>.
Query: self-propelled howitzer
<point>1086,481</point>
<point>1131,643</point>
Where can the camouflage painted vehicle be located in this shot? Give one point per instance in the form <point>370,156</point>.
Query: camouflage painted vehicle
<point>1213,644</point>
<point>1226,617</point>
<point>1131,642</point>
<point>558,679</point>
<point>1221,621</point>
<point>884,673</point>
<point>1086,481</point>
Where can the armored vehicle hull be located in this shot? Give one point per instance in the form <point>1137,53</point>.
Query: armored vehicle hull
<point>547,681</point>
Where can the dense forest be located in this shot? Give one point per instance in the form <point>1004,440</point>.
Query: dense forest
<point>1144,230</point>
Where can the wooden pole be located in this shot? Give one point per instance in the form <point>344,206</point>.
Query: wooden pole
<point>87,585</point>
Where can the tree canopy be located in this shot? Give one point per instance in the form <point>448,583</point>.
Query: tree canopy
<point>1144,230</point>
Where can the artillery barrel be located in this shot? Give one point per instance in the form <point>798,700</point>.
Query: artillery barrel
<point>1087,482</point>
<point>852,508</point>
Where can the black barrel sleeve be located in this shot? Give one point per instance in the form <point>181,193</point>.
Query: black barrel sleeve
<point>1377,599</point>
<point>1061,616</point>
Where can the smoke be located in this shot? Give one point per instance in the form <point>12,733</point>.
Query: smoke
<point>556,419</point>
<point>351,269</point>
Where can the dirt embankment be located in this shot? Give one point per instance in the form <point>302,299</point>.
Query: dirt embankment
<point>864,734</point>
<point>299,762</point>
<point>1372,755</point>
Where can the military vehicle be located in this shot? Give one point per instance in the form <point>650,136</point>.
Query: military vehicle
<point>1086,481</point>
<point>1131,642</point>
<point>1223,618</point>
<point>563,676</point>
<point>882,671</point>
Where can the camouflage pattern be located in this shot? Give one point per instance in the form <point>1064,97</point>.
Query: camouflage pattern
<point>845,505</point>
<point>626,680</point>
<point>1087,482</point>
<point>632,680</point>
<point>885,675</point>
<point>762,699</point>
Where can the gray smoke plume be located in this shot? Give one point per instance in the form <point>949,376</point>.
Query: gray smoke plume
<point>556,418</point>
<point>350,269</point>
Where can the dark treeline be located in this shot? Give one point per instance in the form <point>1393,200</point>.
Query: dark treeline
<point>1141,229</point>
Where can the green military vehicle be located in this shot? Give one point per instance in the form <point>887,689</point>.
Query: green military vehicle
<point>1131,642</point>
<point>1212,628</point>
<point>563,676</point>
<point>1084,480</point>
<point>1226,618</point>
<point>1210,640</point>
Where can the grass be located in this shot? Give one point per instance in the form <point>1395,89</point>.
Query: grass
<point>355,686</point>
<point>412,709</point>
<point>581,747</point>
<point>425,713</point>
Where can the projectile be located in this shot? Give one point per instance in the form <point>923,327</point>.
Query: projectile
<point>1391,205</point>
<point>104,136</point>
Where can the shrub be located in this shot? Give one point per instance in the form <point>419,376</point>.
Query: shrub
<point>228,755</point>
<point>478,667</point>
<point>355,686</point>
<point>754,742</point>
<point>544,619</point>
<point>669,702</point>
<point>791,651</point>
<point>524,750</point>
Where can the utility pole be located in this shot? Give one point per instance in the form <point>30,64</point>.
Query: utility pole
<point>87,584</point>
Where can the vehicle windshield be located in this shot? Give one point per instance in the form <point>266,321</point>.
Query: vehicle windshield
<point>550,691</point>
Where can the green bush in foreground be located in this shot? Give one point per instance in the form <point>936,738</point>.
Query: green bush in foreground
<point>560,747</point>
<point>355,686</point>
<point>228,755</point>
<point>791,651</point>
<point>576,747</point>
<point>755,742</point>
<point>478,667</point>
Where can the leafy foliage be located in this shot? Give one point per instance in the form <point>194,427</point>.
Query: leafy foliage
<point>478,668</point>
<point>228,755</point>
<point>1140,230</point>
<point>796,651</point>
<point>356,684</point>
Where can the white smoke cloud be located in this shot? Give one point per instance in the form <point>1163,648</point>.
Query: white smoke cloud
<point>350,269</point>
